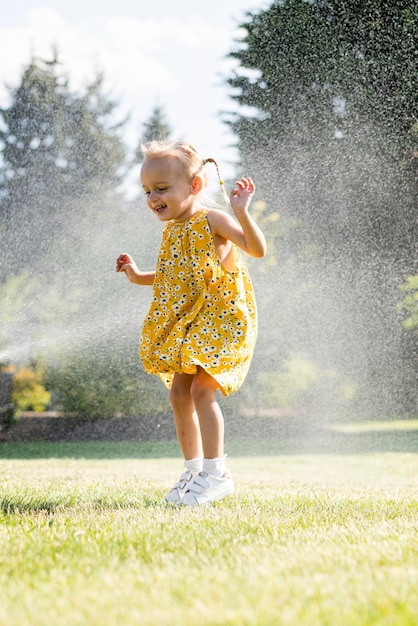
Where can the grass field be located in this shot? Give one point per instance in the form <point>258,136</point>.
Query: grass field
<point>306,540</point>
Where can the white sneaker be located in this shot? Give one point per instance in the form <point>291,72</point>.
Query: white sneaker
<point>206,488</point>
<point>180,487</point>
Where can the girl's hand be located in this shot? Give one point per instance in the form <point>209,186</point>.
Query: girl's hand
<point>245,234</point>
<point>241,196</point>
<point>125,263</point>
<point>122,261</point>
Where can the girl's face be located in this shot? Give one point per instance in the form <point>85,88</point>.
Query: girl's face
<point>170,193</point>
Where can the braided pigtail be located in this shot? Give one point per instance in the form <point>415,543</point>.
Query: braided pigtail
<point>221,182</point>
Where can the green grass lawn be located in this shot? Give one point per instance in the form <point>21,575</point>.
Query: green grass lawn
<point>308,540</point>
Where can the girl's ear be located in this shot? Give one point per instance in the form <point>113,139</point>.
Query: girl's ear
<point>197,185</point>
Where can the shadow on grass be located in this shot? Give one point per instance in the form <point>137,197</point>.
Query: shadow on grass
<point>282,440</point>
<point>88,449</point>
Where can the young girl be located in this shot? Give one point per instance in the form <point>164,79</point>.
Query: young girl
<point>200,331</point>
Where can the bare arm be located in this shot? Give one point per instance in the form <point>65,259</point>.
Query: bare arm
<point>125,263</point>
<point>245,234</point>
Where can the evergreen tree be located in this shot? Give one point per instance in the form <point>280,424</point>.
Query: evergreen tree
<point>58,149</point>
<point>155,128</point>
<point>332,87</point>
<point>329,133</point>
<point>63,222</point>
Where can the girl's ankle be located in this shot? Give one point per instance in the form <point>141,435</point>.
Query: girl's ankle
<point>215,467</point>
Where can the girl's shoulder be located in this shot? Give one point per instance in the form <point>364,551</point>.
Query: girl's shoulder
<point>217,216</point>
<point>220,222</point>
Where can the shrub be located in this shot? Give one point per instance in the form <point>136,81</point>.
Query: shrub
<point>28,389</point>
<point>409,305</point>
<point>301,385</point>
<point>103,383</point>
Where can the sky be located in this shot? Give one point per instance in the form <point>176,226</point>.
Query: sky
<point>155,53</point>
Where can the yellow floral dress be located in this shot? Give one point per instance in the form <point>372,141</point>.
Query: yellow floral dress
<point>201,314</point>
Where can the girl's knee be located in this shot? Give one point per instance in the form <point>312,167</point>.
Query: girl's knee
<point>179,393</point>
<point>203,388</point>
<point>177,396</point>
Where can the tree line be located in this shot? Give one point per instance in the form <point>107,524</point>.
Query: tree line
<point>63,220</point>
<point>326,122</point>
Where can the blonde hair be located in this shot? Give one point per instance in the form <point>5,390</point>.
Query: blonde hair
<point>192,161</point>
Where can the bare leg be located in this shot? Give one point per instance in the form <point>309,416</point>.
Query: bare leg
<point>203,394</point>
<point>185,417</point>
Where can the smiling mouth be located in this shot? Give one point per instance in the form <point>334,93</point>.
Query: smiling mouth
<point>160,208</point>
